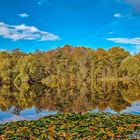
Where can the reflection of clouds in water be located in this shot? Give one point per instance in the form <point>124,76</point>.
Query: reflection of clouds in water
<point>4,115</point>
<point>30,114</point>
<point>107,110</point>
<point>13,118</point>
<point>27,115</point>
<point>134,108</point>
<point>94,111</point>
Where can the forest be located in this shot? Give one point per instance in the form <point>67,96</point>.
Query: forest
<point>69,65</point>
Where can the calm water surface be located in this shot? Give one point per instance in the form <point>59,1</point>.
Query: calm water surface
<point>29,102</point>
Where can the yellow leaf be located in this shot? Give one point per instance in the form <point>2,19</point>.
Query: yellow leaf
<point>62,126</point>
<point>110,134</point>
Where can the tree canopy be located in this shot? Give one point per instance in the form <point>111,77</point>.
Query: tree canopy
<point>67,65</point>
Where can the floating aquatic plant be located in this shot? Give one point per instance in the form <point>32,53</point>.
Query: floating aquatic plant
<point>74,126</point>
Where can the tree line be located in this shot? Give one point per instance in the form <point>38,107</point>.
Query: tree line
<point>69,65</point>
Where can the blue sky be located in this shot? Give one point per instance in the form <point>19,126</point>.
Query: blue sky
<point>47,24</point>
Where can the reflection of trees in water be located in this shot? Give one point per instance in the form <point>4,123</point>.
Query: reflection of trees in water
<point>16,99</point>
<point>70,98</point>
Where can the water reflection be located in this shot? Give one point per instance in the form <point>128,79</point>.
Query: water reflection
<point>134,108</point>
<point>33,101</point>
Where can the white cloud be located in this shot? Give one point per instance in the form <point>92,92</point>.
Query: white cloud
<point>23,15</point>
<point>117,15</point>
<point>130,41</point>
<point>24,32</point>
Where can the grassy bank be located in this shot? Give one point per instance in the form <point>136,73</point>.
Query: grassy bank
<point>73,126</point>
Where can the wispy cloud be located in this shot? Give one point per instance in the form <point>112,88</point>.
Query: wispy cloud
<point>135,42</point>
<point>23,15</point>
<point>132,41</point>
<point>117,15</point>
<point>24,32</point>
<point>128,16</point>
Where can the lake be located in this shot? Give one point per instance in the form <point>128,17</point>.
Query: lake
<point>30,102</point>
